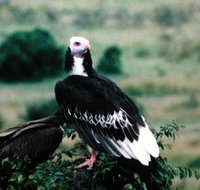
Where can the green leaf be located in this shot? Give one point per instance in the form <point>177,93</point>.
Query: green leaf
<point>58,174</point>
<point>197,175</point>
<point>190,173</point>
<point>5,160</point>
<point>31,177</point>
<point>128,187</point>
<point>20,179</point>
<point>40,188</point>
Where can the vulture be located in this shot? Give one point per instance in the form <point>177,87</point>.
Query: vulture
<point>35,139</point>
<point>105,118</point>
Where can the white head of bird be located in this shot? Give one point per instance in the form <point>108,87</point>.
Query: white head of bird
<point>78,61</point>
<point>79,45</point>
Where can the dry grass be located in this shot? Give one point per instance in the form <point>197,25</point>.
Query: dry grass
<point>186,147</point>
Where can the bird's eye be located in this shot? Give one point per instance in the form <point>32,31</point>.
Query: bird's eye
<point>77,43</point>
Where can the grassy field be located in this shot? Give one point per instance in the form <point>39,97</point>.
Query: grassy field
<point>161,63</point>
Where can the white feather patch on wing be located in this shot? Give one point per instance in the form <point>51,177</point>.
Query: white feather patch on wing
<point>124,149</point>
<point>143,149</point>
<point>140,153</point>
<point>148,141</point>
<point>134,150</point>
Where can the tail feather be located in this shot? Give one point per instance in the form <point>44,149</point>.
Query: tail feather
<point>148,141</point>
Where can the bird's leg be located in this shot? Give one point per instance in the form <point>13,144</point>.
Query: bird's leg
<point>88,161</point>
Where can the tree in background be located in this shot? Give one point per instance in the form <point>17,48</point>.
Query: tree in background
<point>40,109</point>
<point>29,55</point>
<point>110,62</point>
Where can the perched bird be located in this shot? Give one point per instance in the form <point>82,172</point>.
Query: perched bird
<point>35,139</point>
<point>104,117</point>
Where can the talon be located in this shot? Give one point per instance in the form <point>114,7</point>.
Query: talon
<point>89,162</point>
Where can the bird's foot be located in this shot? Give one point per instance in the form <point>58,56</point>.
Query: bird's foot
<point>89,162</point>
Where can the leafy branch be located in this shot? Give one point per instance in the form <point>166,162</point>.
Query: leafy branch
<point>58,171</point>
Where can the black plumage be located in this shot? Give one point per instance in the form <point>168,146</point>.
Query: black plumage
<point>35,139</point>
<point>104,117</point>
<point>83,98</point>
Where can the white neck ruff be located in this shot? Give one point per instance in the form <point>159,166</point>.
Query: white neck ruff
<point>77,68</point>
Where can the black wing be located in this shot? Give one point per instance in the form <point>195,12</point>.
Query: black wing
<point>103,115</point>
<point>36,139</point>
<point>118,98</point>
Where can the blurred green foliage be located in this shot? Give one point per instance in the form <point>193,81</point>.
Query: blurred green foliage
<point>176,48</point>
<point>195,163</point>
<point>40,109</point>
<point>110,62</point>
<point>1,122</point>
<point>152,89</point>
<point>167,15</point>
<point>192,102</point>
<point>90,19</point>
<point>142,51</point>
<point>29,55</point>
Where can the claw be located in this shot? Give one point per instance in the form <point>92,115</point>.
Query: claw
<point>89,162</point>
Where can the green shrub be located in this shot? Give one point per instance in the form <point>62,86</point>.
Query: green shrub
<point>166,15</point>
<point>195,163</point>
<point>123,17</point>
<point>197,50</point>
<point>110,62</point>
<point>192,102</point>
<point>142,51</point>
<point>109,173</point>
<point>40,109</point>
<point>2,121</point>
<point>160,71</point>
<point>29,55</point>
<point>177,48</point>
<point>89,19</point>
<point>151,89</point>
<point>138,18</point>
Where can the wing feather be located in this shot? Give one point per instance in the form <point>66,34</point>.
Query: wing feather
<point>13,132</point>
<point>109,121</point>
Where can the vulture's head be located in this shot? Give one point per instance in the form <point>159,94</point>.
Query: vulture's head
<point>79,46</point>
<point>78,59</point>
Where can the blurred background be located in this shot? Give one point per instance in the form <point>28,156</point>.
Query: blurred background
<point>151,49</point>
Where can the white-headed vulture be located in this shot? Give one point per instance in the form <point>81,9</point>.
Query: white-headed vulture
<point>104,117</point>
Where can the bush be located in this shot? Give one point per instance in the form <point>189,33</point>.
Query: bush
<point>109,173</point>
<point>195,163</point>
<point>166,15</point>
<point>29,55</point>
<point>142,51</point>
<point>197,50</point>
<point>123,17</point>
<point>110,62</point>
<point>40,109</point>
<point>177,48</point>
<point>139,18</point>
<point>192,102</point>
<point>89,19</point>
<point>151,89</point>
<point>2,121</point>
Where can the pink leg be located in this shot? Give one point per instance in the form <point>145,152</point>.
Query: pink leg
<point>88,161</point>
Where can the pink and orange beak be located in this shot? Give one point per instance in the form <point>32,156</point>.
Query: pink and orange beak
<point>88,47</point>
